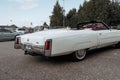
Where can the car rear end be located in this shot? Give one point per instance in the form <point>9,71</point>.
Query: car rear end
<point>33,45</point>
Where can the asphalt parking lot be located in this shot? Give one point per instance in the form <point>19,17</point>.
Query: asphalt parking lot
<point>102,64</point>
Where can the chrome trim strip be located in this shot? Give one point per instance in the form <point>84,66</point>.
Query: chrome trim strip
<point>61,54</point>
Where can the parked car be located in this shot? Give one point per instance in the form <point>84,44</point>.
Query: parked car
<point>7,35</point>
<point>20,30</point>
<point>57,42</point>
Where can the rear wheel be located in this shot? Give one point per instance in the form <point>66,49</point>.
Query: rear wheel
<point>79,55</point>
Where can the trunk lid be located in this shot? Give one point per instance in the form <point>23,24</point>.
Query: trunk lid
<point>34,40</point>
<point>39,38</point>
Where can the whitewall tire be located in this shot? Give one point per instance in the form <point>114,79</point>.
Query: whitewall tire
<point>79,55</point>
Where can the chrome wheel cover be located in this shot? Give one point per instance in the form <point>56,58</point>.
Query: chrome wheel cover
<point>80,54</point>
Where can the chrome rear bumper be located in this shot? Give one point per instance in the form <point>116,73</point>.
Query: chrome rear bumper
<point>29,48</point>
<point>33,49</point>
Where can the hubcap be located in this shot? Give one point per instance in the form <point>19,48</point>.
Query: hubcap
<point>80,54</point>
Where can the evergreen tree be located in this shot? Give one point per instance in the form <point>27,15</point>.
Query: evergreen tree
<point>72,18</point>
<point>104,10</point>
<point>57,16</point>
<point>86,12</point>
<point>114,13</point>
<point>94,10</point>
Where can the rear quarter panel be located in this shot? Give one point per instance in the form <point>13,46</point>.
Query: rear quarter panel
<point>74,42</point>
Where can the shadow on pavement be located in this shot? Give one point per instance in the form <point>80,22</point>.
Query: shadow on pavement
<point>55,60</point>
<point>98,52</point>
<point>65,59</point>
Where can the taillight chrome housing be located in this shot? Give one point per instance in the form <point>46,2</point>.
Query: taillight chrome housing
<point>48,47</point>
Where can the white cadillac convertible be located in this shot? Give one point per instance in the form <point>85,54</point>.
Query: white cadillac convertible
<point>57,42</point>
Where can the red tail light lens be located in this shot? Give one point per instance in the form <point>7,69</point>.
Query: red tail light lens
<point>17,41</point>
<point>47,45</point>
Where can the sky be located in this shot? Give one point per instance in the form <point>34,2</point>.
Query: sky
<point>23,12</point>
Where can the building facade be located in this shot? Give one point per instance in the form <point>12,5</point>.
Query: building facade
<point>11,28</point>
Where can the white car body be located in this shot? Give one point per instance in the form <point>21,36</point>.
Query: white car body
<point>63,41</point>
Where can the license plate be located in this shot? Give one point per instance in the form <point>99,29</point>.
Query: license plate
<point>28,47</point>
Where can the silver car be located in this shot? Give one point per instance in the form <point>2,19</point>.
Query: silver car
<point>7,35</point>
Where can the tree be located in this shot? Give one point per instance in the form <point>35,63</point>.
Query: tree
<point>57,16</point>
<point>114,13</point>
<point>94,10</point>
<point>85,12</point>
<point>72,18</point>
<point>104,10</point>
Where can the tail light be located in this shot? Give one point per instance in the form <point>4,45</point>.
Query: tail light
<point>48,44</point>
<point>17,44</point>
<point>48,47</point>
<point>17,41</point>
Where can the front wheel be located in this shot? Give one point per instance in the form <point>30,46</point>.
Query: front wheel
<point>79,55</point>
